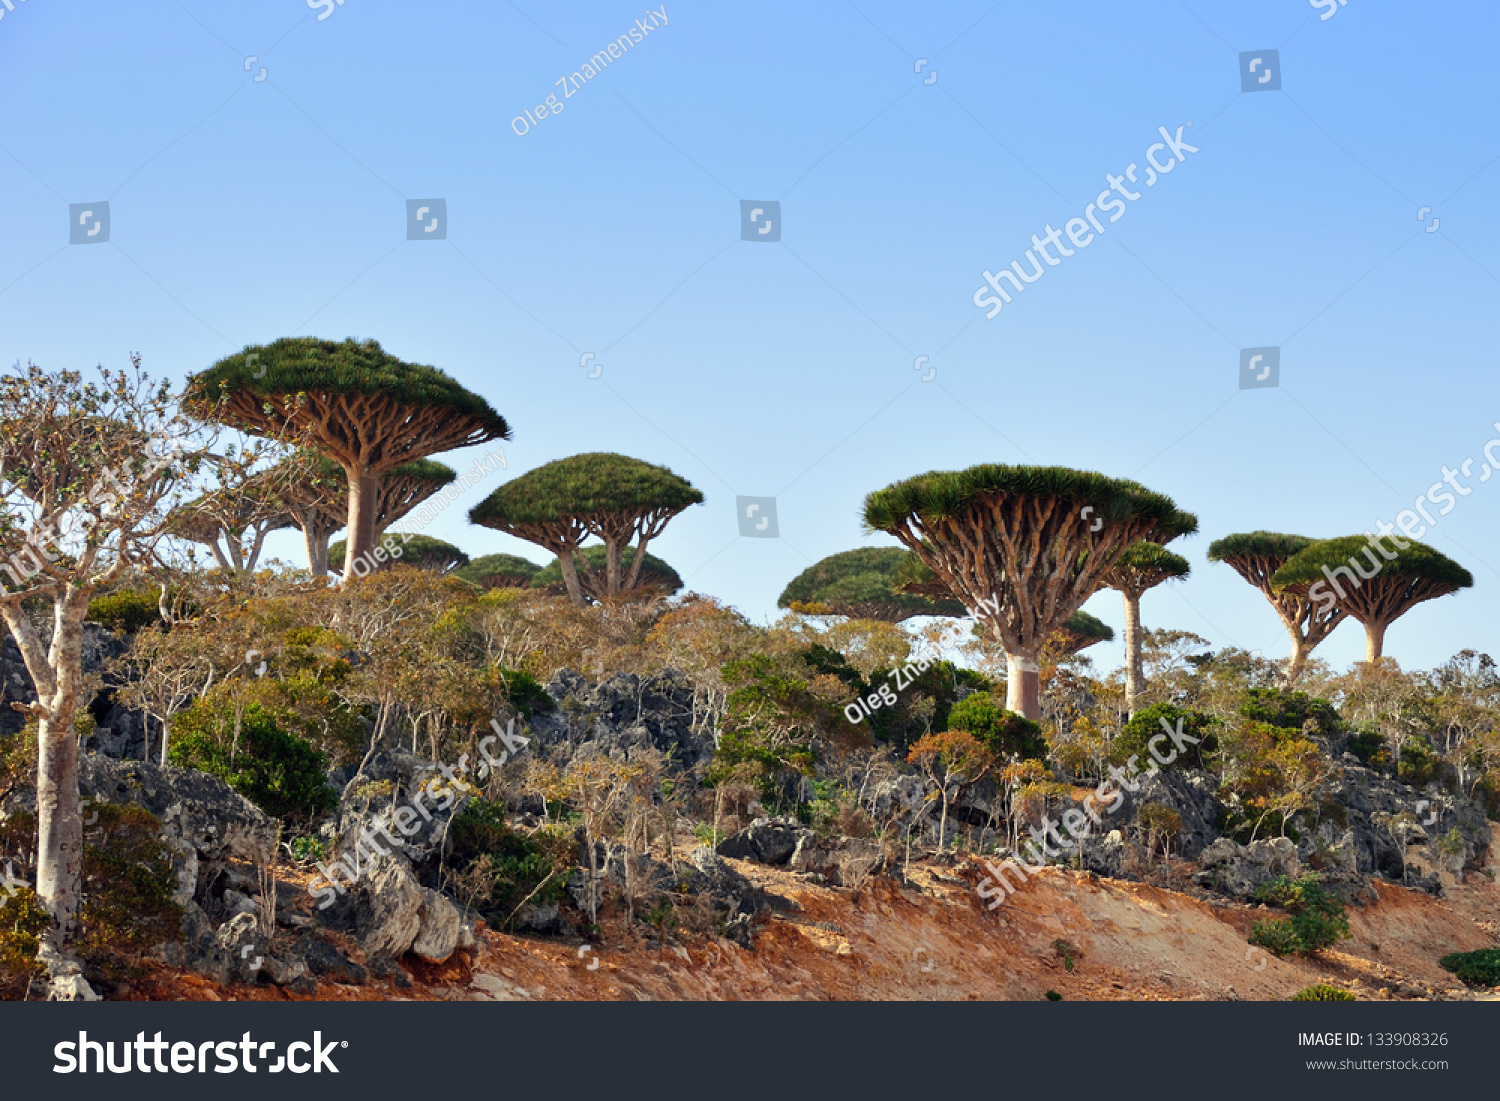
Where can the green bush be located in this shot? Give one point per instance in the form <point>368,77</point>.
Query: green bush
<point>1134,739</point>
<point>278,772</point>
<point>128,883</point>
<point>499,867</point>
<point>1276,936</point>
<point>125,612</point>
<point>22,922</point>
<point>128,886</point>
<point>1417,764</point>
<point>525,692</point>
<point>1005,733</point>
<point>1481,968</point>
<point>1316,918</point>
<point>1292,711</point>
<point>1322,992</point>
<point>1370,747</point>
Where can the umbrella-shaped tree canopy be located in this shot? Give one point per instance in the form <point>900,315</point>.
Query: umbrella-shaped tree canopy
<point>861,584</point>
<point>1082,631</point>
<point>1025,537</point>
<point>611,497</point>
<point>352,402</point>
<point>421,551</point>
<point>499,571</point>
<point>1373,583</point>
<point>1256,556</point>
<point>655,577</point>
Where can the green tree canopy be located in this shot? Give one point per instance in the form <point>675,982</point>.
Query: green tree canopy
<point>499,571</point>
<point>655,576</point>
<point>1256,556</point>
<point>421,551</point>
<point>352,402</point>
<point>613,498</point>
<point>1082,631</point>
<point>1023,536</point>
<point>861,584</point>
<point>1333,571</point>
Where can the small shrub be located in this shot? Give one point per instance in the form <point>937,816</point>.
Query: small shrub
<point>1134,739</point>
<point>22,922</point>
<point>1481,968</point>
<point>1369,746</point>
<point>1053,996</point>
<point>499,868</point>
<point>1161,824</point>
<point>1316,918</point>
<point>1292,711</point>
<point>125,612</point>
<point>525,692</point>
<point>1004,733</point>
<point>1322,992</point>
<point>1275,936</point>
<point>278,772</point>
<point>1068,951</point>
<point>128,883</point>
<point>1417,764</point>
<point>307,849</point>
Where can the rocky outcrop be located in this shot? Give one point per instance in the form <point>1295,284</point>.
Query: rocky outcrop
<point>1192,793</point>
<point>841,861</point>
<point>203,818</point>
<point>1240,870</point>
<point>765,841</point>
<point>623,713</point>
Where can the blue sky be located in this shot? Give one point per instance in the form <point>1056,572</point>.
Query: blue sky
<point>242,210</point>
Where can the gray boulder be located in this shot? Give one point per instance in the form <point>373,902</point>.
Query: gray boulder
<point>842,862</point>
<point>1192,793</point>
<point>195,808</point>
<point>439,927</point>
<point>388,915</point>
<point>1240,870</point>
<point>765,841</point>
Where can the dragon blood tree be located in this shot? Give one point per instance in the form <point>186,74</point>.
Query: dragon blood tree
<point>421,551</point>
<point>500,571</point>
<point>232,524</point>
<point>655,577</point>
<point>1143,566</point>
<point>352,402</point>
<point>1079,633</point>
<point>861,584</point>
<point>318,499</point>
<point>1256,556</point>
<point>1331,572</point>
<point>1017,539</point>
<point>611,497</point>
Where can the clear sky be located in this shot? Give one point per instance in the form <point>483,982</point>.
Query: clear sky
<point>245,206</point>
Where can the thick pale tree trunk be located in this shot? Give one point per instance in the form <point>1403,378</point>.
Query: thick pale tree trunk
<point>317,551</point>
<point>1300,651</point>
<point>364,489</point>
<point>59,861</point>
<point>612,573</point>
<point>1374,640</point>
<point>570,577</point>
<point>1022,685</point>
<point>1135,674</point>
